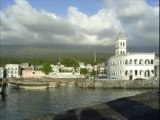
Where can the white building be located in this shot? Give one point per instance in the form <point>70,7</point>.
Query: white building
<point>61,71</point>
<point>156,63</point>
<point>12,70</point>
<point>1,72</point>
<point>129,66</point>
<point>55,68</point>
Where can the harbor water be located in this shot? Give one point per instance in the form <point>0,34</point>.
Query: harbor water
<point>21,104</point>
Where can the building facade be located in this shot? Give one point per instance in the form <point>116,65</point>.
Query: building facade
<point>31,73</point>
<point>1,72</point>
<point>129,66</point>
<point>156,63</point>
<point>12,70</point>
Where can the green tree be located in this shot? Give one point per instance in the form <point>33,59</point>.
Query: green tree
<point>46,68</point>
<point>83,71</point>
<point>93,73</point>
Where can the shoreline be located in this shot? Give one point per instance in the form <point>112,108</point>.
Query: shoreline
<point>142,106</point>
<point>84,83</point>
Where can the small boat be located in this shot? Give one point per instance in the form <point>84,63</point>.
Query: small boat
<point>28,84</point>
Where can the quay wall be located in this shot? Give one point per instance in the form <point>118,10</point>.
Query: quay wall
<point>118,83</point>
<point>92,83</point>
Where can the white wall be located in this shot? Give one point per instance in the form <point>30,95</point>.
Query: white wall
<point>117,66</point>
<point>1,72</point>
<point>12,70</point>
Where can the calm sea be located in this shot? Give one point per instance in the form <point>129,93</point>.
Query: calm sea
<point>21,104</point>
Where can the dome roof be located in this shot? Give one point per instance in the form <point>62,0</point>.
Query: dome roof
<point>120,36</point>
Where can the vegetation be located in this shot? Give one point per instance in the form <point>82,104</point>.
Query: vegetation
<point>93,73</point>
<point>68,59</point>
<point>83,71</point>
<point>46,68</point>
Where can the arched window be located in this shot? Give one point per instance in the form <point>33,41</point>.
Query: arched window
<point>130,72</point>
<point>147,61</point>
<point>147,73</point>
<point>141,61</point>
<point>135,61</point>
<point>120,62</point>
<point>141,72</point>
<point>121,44</point>
<point>130,61</point>
<point>126,72</point>
<point>152,61</point>
<point>136,72</point>
<point>126,62</point>
<point>152,71</point>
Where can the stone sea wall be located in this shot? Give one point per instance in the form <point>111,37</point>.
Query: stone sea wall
<point>118,83</point>
<point>92,83</point>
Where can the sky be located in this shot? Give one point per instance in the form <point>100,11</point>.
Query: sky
<point>79,22</point>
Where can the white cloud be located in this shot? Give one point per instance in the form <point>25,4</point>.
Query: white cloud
<point>23,24</point>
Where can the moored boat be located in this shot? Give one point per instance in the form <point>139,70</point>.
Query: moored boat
<point>29,84</point>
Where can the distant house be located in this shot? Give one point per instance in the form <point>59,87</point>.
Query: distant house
<point>31,73</point>
<point>24,65</point>
<point>55,68</point>
<point>89,67</point>
<point>101,68</point>
<point>12,70</point>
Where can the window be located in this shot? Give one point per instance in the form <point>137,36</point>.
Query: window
<point>152,61</point>
<point>141,61</point>
<point>135,72</point>
<point>123,44</point>
<point>135,61</point>
<point>147,73</point>
<point>130,61</point>
<point>120,62</point>
<point>141,72</point>
<point>126,62</point>
<point>126,72</point>
<point>147,61</point>
<point>152,71</point>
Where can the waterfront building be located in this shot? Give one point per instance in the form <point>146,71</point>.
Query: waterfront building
<point>31,73</point>
<point>129,66</point>
<point>55,68</point>
<point>1,72</point>
<point>156,63</point>
<point>89,67</point>
<point>12,70</point>
<point>101,68</point>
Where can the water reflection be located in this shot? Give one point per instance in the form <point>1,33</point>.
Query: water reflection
<point>21,104</point>
<point>3,97</point>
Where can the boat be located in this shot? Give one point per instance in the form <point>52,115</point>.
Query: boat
<point>28,84</point>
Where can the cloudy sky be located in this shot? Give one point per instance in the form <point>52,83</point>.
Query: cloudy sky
<point>79,22</point>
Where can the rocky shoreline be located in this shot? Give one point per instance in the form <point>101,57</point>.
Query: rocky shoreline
<point>139,107</point>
